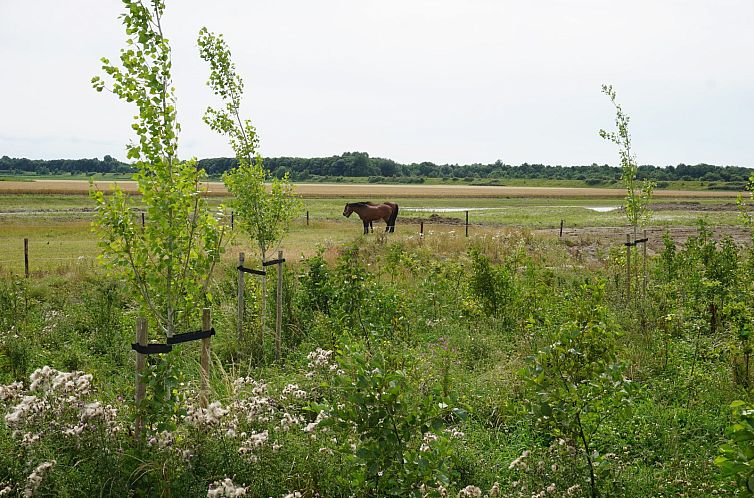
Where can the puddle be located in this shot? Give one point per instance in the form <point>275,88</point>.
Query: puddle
<point>603,209</point>
<point>598,209</point>
<point>445,209</point>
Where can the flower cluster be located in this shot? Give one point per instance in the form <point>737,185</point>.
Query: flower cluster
<point>310,427</point>
<point>36,477</point>
<point>519,462</point>
<point>203,417</point>
<point>427,441</point>
<point>294,391</point>
<point>225,489</point>
<point>55,404</point>
<point>322,360</point>
<point>11,392</point>
<point>476,492</point>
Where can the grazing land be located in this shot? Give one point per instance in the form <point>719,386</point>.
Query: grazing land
<point>454,339</point>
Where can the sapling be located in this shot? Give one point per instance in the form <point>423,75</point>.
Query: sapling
<point>577,379</point>
<point>264,211</point>
<point>638,196</point>
<point>168,263</point>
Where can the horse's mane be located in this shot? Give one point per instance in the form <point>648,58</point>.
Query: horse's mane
<point>362,204</point>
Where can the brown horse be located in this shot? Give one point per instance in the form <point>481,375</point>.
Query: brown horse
<point>369,212</point>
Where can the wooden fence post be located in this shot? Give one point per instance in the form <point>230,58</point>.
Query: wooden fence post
<point>644,291</point>
<point>239,318</point>
<point>628,268</point>
<point>421,229</point>
<point>279,306</point>
<point>26,258</point>
<point>232,219</point>
<point>307,218</point>
<point>561,228</point>
<point>204,359</point>
<point>141,339</point>
<point>467,223</point>
<point>143,221</point>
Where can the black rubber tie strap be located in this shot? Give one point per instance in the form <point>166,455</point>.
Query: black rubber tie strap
<point>273,262</point>
<point>191,336</point>
<point>151,348</point>
<point>641,240</point>
<point>251,270</point>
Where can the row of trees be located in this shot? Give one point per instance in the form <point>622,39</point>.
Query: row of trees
<point>359,164</point>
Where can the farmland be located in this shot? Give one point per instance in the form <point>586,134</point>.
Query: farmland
<point>458,329</point>
<point>56,215</point>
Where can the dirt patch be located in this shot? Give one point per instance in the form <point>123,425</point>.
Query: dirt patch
<point>351,190</point>
<point>592,243</point>
<point>695,206</point>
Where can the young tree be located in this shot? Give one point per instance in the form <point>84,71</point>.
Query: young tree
<point>264,212</point>
<point>638,196</point>
<point>578,381</point>
<point>168,263</point>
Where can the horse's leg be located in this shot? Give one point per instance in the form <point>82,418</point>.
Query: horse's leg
<point>371,227</point>
<point>387,224</point>
<point>366,227</point>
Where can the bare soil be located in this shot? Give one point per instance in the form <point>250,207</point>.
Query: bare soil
<point>323,190</point>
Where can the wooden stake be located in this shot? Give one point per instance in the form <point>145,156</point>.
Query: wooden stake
<point>232,219</point>
<point>204,360</point>
<point>421,229</point>
<point>239,318</point>
<point>141,339</point>
<point>143,221</point>
<point>467,223</point>
<point>279,307</point>
<point>628,268</point>
<point>644,290</point>
<point>307,218</point>
<point>561,228</point>
<point>26,258</point>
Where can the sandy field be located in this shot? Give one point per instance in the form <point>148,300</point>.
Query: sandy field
<point>324,190</point>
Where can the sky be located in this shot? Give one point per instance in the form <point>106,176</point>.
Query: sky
<point>452,82</point>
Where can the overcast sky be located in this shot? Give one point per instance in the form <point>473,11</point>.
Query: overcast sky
<point>413,80</point>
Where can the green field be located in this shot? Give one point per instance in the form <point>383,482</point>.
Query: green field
<point>59,231</point>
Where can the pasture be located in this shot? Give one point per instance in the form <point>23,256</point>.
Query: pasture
<point>449,338</point>
<point>55,215</point>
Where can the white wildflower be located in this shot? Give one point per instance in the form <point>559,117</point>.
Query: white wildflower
<point>313,425</point>
<point>494,490</point>
<point>573,490</point>
<point>293,390</point>
<point>35,478</point>
<point>225,489</point>
<point>427,441</point>
<point>470,492</point>
<point>11,392</point>
<point>519,462</point>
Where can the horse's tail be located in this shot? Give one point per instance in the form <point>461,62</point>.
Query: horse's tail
<point>393,216</point>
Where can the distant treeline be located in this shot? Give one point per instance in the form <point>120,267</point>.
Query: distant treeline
<point>359,164</point>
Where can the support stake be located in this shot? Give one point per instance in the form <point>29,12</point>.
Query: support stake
<point>644,291</point>
<point>279,307</point>
<point>239,318</point>
<point>628,268</point>
<point>141,339</point>
<point>204,359</point>
<point>26,258</point>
